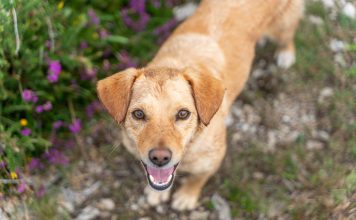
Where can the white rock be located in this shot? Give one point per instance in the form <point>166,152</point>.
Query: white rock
<point>184,11</point>
<point>106,204</point>
<point>222,207</point>
<point>315,20</point>
<point>349,10</point>
<point>199,215</point>
<point>314,145</point>
<point>325,93</point>
<point>88,213</point>
<point>328,3</point>
<point>339,59</point>
<point>337,45</point>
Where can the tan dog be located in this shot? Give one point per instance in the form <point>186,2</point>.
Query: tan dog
<point>173,110</point>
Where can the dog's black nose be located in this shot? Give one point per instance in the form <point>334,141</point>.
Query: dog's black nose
<point>160,156</point>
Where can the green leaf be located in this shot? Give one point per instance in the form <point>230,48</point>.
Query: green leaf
<point>117,39</point>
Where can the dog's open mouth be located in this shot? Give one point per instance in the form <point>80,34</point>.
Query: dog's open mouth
<point>160,178</point>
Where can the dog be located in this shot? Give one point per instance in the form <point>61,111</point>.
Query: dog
<point>172,111</point>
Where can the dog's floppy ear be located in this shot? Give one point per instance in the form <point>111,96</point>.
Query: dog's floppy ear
<point>208,93</point>
<point>115,92</point>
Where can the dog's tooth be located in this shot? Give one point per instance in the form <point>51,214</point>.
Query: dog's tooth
<point>151,178</point>
<point>169,178</point>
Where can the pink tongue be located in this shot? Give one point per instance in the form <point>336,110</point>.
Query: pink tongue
<point>160,174</point>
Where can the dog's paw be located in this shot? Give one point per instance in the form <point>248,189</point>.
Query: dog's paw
<point>184,201</point>
<point>285,58</point>
<point>155,197</point>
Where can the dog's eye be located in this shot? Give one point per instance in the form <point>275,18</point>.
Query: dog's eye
<point>138,114</point>
<point>182,114</point>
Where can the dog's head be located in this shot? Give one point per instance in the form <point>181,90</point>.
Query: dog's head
<point>161,110</point>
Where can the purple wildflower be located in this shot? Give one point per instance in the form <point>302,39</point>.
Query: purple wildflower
<point>34,164</point>
<point>21,187</point>
<point>48,44</point>
<point>54,69</point>
<point>29,96</point>
<point>57,124</point>
<point>103,33</point>
<point>136,9</point>
<point>26,132</point>
<point>156,3</point>
<point>47,106</point>
<point>40,192</point>
<point>54,156</point>
<point>94,20</point>
<point>93,107</point>
<point>138,5</point>
<point>75,126</point>
<point>2,164</point>
<point>164,30</point>
<point>106,65</point>
<point>88,73</point>
<point>39,109</point>
<point>125,60</point>
<point>83,45</point>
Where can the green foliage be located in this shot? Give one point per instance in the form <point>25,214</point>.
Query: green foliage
<point>83,43</point>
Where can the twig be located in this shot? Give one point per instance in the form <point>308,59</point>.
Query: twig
<point>8,181</point>
<point>14,15</point>
<point>51,33</point>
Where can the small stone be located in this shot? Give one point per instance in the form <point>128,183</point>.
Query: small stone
<point>323,135</point>
<point>328,3</point>
<point>88,213</point>
<point>144,218</point>
<point>160,209</point>
<point>339,59</point>
<point>199,215</point>
<point>222,207</point>
<point>315,20</point>
<point>106,204</point>
<point>325,93</point>
<point>257,73</point>
<point>337,45</point>
<point>314,145</point>
<point>349,10</point>
<point>258,175</point>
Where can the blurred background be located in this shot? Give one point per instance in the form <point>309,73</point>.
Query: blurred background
<point>291,133</point>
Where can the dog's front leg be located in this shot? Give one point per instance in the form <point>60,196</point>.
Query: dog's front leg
<point>188,194</point>
<point>155,197</point>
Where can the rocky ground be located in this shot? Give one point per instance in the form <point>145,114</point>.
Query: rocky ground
<point>291,137</point>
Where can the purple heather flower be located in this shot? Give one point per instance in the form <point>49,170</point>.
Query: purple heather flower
<point>40,192</point>
<point>47,106</point>
<point>107,53</point>
<point>21,187</point>
<point>29,96</point>
<point>93,107</point>
<point>54,69</point>
<point>75,126</point>
<point>39,109</point>
<point>34,164</point>
<point>57,124</point>
<point>94,20</point>
<point>125,60</point>
<point>2,164</point>
<point>106,65</point>
<point>156,3</point>
<point>83,45</point>
<point>88,73</point>
<point>54,156</point>
<point>138,5</point>
<point>26,132</point>
<point>48,44</point>
<point>164,30</point>
<point>135,16</point>
<point>103,33</point>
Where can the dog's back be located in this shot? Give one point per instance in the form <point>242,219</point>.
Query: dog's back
<point>221,36</point>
